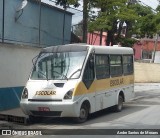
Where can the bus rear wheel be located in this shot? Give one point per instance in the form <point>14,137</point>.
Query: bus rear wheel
<point>119,106</point>
<point>84,112</point>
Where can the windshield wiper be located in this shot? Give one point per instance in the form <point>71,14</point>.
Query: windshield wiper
<point>74,72</point>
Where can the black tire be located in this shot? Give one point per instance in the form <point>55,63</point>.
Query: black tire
<point>119,106</point>
<point>84,112</point>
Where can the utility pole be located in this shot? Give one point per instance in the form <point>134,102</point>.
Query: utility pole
<point>155,47</point>
<point>101,33</point>
<point>85,20</point>
<point>3,23</point>
<point>39,28</point>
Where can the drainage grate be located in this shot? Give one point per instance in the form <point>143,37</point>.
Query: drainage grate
<point>11,118</point>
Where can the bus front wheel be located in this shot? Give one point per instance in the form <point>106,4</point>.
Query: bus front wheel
<point>84,112</point>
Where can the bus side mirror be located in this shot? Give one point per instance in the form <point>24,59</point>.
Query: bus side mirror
<point>34,59</point>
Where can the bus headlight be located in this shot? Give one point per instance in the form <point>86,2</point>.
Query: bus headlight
<point>25,93</point>
<point>68,95</point>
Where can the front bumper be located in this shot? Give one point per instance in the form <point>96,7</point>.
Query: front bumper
<point>60,109</point>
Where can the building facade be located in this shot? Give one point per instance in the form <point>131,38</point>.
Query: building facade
<point>144,50</point>
<point>24,30</point>
<point>37,24</point>
<point>94,38</point>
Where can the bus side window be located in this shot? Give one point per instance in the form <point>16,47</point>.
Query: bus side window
<point>116,68</point>
<point>128,64</point>
<point>89,75</point>
<point>102,67</point>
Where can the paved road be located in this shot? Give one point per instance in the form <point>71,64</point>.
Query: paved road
<point>141,113</point>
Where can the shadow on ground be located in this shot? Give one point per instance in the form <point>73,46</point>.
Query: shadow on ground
<point>105,115</point>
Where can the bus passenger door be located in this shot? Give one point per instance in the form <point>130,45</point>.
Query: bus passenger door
<point>89,81</point>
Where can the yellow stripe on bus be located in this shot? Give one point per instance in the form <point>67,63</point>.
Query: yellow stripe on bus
<point>99,85</point>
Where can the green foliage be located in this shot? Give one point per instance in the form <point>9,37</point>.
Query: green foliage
<point>139,20</point>
<point>108,14</point>
<point>66,3</point>
<point>127,14</point>
<point>158,8</point>
<point>142,10</point>
<point>156,22</point>
<point>101,22</point>
<point>148,26</point>
<point>127,42</point>
<point>145,25</point>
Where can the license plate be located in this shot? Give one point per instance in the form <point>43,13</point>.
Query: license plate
<point>43,109</point>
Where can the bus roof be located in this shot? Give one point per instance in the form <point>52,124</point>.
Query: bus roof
<point>113,50</point>
<point>83,47</point>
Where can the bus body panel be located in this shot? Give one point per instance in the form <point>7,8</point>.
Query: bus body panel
<point>38,89</point>
<point>102,93</point>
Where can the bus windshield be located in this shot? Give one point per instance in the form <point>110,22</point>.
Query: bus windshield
<point>58,66</point>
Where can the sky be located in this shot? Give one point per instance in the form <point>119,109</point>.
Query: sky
<point>152,3</point>
<point>77,17</point>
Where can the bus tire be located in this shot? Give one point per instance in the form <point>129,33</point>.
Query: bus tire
<point>84,112</point>
<point>119,106</point>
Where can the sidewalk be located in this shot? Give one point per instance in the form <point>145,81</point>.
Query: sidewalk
<point>14,112</point>
<point>146,87</point>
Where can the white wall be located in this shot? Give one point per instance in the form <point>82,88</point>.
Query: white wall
<point>15,64</point>
<point>157,57</point>
<point>147,72</point>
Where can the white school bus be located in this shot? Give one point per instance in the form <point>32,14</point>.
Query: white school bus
<point>76,80</point>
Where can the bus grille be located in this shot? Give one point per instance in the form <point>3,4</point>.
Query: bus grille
<point>45,100</point>
<point>47,113</point>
